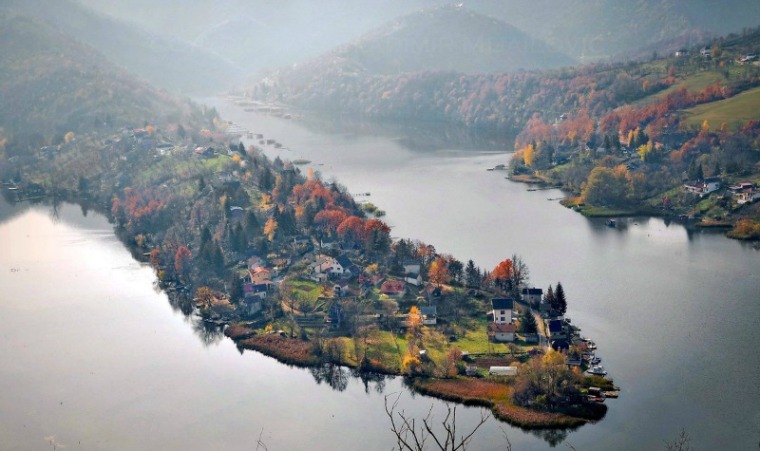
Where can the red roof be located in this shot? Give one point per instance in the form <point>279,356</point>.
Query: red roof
<point>393,287</point>
<point>503,328</point>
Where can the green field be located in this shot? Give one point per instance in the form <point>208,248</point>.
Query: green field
<point>734,111</point>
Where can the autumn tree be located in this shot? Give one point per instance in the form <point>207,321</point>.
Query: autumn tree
<point>607,186</point>
<point>351,229</point>
<point>502,275</point>
<point>204,296</point>
<point>438,273</point>
<point>270,229</point>
<point>182,262</point>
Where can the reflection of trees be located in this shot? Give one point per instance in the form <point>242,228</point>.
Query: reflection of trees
<point>335,376</point>
<point>376,378</point>
<point>210,334</point>
<point>552,436</point>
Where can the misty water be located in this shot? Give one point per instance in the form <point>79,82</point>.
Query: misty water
<point>94,357</point>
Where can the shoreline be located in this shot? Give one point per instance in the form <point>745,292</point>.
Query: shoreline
<point>468,391</point>
<point>572,202</point>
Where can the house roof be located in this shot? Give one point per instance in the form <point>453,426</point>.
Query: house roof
<point>393,287</point>
<point>502,303</point>
<point>503,328</point>
<point>260,270</point>
<point>533,291</point>
<point>429,310</point>
<point>555,325</point>
<point>344,261</point>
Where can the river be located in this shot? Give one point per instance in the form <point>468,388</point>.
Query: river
<point>95,357</point>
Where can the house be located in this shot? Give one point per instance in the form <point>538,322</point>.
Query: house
<point>747,197</point>
<point>326,265</point>
<point>341,288</point>
<point>329,243</point>
<point>393,288</point>
<point>704,187</point>
<point>205,152</point>
<point>502,332</point>
<point>413,280</point>
<point>503,371</point>
<point>254,261</point>
<point>348,267</point>
<point>260,274</point>
<point>741,187</point>
<point>501,309</point>
<point>681,52</point>
<point>556,330</point>
<point>412,268</point>
<point>533,296</point>
<point>256,290</point>
<point>429,315</point>
<point>705,52</point>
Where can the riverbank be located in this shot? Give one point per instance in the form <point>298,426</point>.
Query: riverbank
<point>495,395</point>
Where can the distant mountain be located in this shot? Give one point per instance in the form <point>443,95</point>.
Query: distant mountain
<point>51,84</point>
<point>257,34</point>
<point>448,38</point>
<point>166,62</point>
<point>594,29</point>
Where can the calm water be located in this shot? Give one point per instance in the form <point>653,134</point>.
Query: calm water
<point>92,354</point>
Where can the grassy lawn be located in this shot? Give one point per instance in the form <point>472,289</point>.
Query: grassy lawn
<point>306,288</point>
<point>476,341</point>
<point>734,111</point>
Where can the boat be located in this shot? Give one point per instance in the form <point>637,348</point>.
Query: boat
<point>597,370</point>
<point>612,223</point>
<point>595,360</point>
<point>591,345</point>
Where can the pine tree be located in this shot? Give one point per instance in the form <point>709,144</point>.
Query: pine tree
<point>550,299</point>
<point>560,299</point>
<point>472,275</point>
<point>528,323</point>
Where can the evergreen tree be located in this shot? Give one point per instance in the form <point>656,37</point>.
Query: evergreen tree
<point>472,275</point>
<point>528,323</point>
<point>550,299</point>
<point>201,184</point>
<point>251,224</point>
<point>560,299</point>
<point>235,287</point>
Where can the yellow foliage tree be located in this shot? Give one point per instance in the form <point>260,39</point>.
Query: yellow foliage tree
<point>270,228</point>
<point>529,155</point>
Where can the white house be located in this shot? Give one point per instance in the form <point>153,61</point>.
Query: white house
<point>501,308</point>
<point>326,265</point>
<point>533,296</point>
<point>703,187</point>
<point>429,315</point>
<point>502,332</point>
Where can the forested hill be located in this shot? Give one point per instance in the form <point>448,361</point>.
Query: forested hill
<point>444,38</point>
<point>166,62</point>
<point>52,85</point>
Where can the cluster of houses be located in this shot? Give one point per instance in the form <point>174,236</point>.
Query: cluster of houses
<point>743,193</point>
<point>704,187</point>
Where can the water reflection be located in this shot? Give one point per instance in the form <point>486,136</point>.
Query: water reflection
<point>413,135</point>
<point>333,375</point>
<point>208,333</point>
